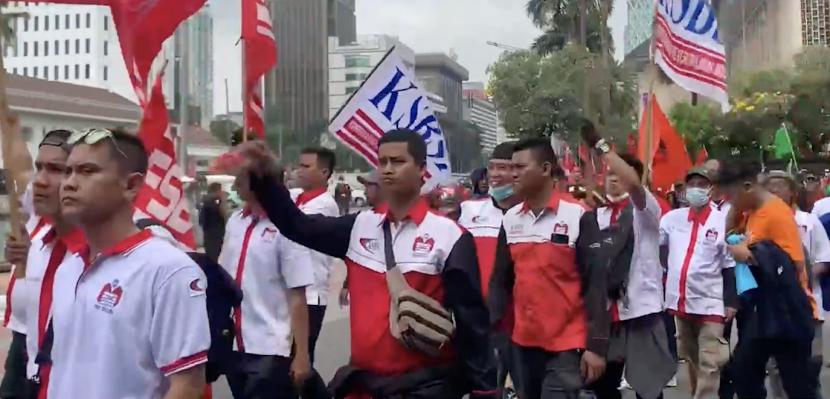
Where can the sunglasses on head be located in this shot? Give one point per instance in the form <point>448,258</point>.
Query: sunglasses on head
<point>94,136</point>
<point>57,138</point>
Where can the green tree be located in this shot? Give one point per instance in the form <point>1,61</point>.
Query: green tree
<point>222,129</point>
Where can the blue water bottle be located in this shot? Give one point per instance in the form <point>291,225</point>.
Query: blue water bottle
<point>744,279</point>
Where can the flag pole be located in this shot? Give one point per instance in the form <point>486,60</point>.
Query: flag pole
<point>649,158</point>
<point>244,95</point>
<point>12,170</point>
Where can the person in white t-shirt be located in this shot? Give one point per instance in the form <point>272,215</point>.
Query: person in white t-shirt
<point>137,326</point>
<point>816,250</point>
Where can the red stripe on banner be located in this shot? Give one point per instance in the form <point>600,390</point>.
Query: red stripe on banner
<point>699,73</point>
<point>662,21</point>
<point>696,73</point>
<point>349,139</point>
<point>692,75</point>
<point>380,132</point>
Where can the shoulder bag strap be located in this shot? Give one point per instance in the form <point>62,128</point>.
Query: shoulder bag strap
<point>44,353</point>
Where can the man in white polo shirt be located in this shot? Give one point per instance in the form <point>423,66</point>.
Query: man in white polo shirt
<point>132,319</point>
<point>700,284</point>
<point>273,274</point>
<point>313,174</point>
<point>817,251</point>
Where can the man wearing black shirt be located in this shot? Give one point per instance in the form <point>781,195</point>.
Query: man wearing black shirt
<point>212,220</point>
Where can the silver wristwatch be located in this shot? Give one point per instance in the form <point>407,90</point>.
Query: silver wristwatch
<point>602,147</point>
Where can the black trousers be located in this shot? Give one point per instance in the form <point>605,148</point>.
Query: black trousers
<point>606,387</point>
<point>791,356</point>
<point>261,377</point>
<point>547,375</point>
<point>727,389</point>
<point>503,350</point>
<point>15,383</point>
<point>316,313</point>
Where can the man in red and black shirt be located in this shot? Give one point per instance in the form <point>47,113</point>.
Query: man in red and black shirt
<point>436,257</point>
<point>560,337</point>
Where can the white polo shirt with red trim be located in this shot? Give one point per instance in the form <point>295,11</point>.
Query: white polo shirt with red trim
<point>266,265</point>
<point>18,292</point>
<point>644,294</point>
<point>46,254</point>
<point>697,257</point>
<point>126,321</point>
<point>318,202</point>
<point>816,248</point>
<point>483,219</point>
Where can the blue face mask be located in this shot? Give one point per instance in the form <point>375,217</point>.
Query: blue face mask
<point>501,193</point>
<point>697,196</point>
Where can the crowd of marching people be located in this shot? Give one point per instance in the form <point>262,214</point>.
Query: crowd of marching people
<point>557,290</point>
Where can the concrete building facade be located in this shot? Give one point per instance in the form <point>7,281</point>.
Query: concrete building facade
<point>479,110</point>
<point>342,23</point>
<point>442,75</point>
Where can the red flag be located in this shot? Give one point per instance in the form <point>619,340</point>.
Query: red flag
<point>631,143</point>
<point>568,163</point>
<point>702,156</point>
<point>162,197</point>
<point>260,48</point>
<point>670,159</point>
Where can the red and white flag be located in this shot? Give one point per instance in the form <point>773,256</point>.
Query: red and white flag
<point>260,49</point>
<point>688,48</point>
<point>162,197</point>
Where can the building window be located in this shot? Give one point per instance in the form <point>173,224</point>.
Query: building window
<point>56,72</point>
<point>357,61</point>
<point>350,90</point>
<point>77,46</point>
<point>88,20</point>
<point>106,23</point>
<point>37,26</point>
<point>86,71</point>
<point>25,71</point>
<point>57,47</point>
<point>66,46</point>
<point>66,71</point>
<point>77,71</point>
<point>87,46</point>
<point>352,77</point>
<point>25,49</point>
<point>35,72</point>
<point>25,24</point>
<point>46,23</point>
<point>77,21</point>
<point>14,71</point>
<point>46,73</point>
<point>106,73</point>
<point>46,48</point>
<point>57,22</point>
<point>66,21</point>
<point>36,47</point>
<point>106,47</point>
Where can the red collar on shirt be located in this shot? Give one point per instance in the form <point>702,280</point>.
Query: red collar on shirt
<point>700,216</point>
<point>417,212</point>
<point>75,240</point>
<point>248,210</point>
<point>617,208</point>
<point>119,247</point>
<point>553,203</point>
<point>306,196</point>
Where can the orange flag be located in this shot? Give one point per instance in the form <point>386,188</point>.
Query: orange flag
<point>670,160</point>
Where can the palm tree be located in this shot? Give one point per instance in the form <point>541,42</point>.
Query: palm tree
<point>568,21</point>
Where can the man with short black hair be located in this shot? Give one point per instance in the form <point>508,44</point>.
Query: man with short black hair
<point>559,328</point>
<point>138,322</point>
<point>212,215</point>
<point>436,258</point>
<point>315,169</point>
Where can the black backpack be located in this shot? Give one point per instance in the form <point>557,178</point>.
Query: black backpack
<point>223,295</point>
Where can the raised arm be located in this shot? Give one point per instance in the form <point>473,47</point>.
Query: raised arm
<point>329,235</point>
<point>629,177</point>
<point>463,297</point>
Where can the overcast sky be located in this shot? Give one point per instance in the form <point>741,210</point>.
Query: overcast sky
<point>464,26</point>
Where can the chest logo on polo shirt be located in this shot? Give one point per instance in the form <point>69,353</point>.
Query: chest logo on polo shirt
<point>803,228</point>
<point>517,228</point>
<point>423,245</point>
<point>711,235</point>
<point>370,244</point>
<point>479,219</point>
<point>269,234</point>
<point>109,297</point>
<point>560,228</point>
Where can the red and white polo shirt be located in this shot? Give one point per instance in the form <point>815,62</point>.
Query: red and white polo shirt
<point>18,293</point>
<point>46,254</point>
<point>697,257</point>
<point>318,202</point>
<point>644,294</point>
<point>124,322</point>
<point>816,248</point>
<point>265,265</point>
<point>547,293</point>
<point>482,218</point>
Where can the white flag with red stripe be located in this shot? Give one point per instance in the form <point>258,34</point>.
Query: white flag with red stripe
<point>390,99</point>
<point>688,48</point>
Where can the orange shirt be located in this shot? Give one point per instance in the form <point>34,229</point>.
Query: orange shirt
<point>774,221</point>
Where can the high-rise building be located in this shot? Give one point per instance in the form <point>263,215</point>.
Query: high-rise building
<point>815,22</point>
<point>479,110</point>
<point>342,22</point>
<point>350,64</point>
<point>296,93</point>
<point>638,27</point>
<point>442,75</point>
<point>68,43</point>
